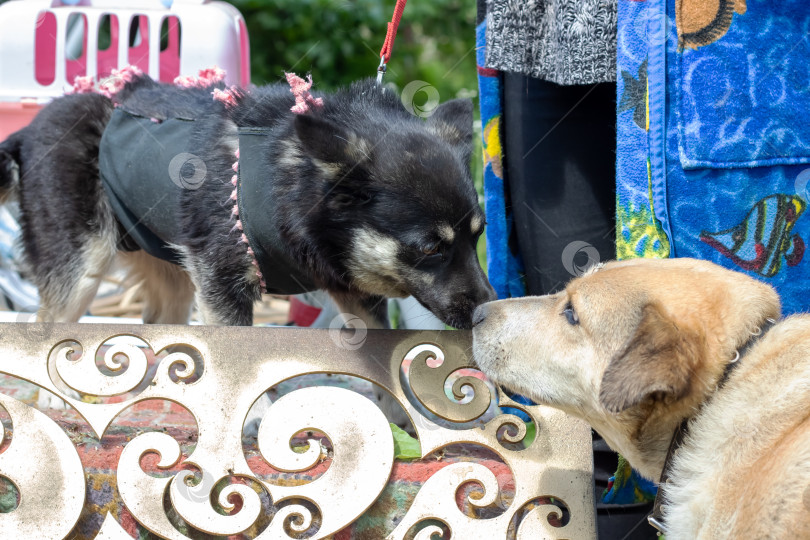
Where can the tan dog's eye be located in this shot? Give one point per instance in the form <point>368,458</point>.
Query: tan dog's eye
<point>570,314</point>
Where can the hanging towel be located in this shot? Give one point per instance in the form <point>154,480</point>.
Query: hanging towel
<point>713,156</point>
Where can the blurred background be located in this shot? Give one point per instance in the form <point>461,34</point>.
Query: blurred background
<point>338,41</point>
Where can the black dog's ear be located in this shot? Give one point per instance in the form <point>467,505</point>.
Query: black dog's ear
<point>657,362</point>
<point>453,121</point>
<point>329,142</point>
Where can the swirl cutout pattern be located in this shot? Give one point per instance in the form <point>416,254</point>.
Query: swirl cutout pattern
<point>81,375</point>
<point>212,478</point>
<point>40,514</point>
<point>428,384</point>
<point>361,465</point>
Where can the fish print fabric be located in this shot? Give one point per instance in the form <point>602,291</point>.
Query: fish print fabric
<point>504,267</point>
<point>764,238</point>
<point>713,143</point>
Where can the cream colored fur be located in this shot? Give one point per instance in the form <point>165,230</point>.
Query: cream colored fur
<point>651,344</point>
<point>167,288</point>
<point>373,265</point>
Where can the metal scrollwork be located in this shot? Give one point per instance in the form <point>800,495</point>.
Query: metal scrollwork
<point>200,513</point>
<point>437,498</point>
<point>142,493</point>
<point>51,486</point>
<point>207,485</point>
<point>508,421</point>
<point>81,375</point>
<point>538,521</point>
<point>429,532</point>
<point>363,452</point>
<point>428,385</point>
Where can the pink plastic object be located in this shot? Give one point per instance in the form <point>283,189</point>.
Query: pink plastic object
<point>46,44</point>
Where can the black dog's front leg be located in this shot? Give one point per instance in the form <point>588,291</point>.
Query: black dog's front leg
<point>225,296</point>
<point>223,308</point>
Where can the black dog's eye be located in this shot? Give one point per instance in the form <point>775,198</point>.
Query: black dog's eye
<point>570,314</point>
<point>430,255</point>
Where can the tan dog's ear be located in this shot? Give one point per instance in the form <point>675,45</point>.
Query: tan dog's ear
<point>657,361</point>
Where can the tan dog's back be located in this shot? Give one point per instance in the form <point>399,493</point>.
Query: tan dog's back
<point>755,435</point>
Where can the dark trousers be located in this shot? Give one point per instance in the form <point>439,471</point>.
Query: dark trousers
<point>560,154</point>
<point>560,151</point>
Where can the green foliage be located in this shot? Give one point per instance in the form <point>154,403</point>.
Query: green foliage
<point>405,446</point>
<point>339,42</point>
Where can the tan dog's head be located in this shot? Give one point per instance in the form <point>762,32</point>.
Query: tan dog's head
<point>632,347</point>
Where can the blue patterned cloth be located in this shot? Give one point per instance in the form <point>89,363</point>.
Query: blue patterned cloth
<point>737,98</point>
<point>628,487</point>
<point>713,143</point>
<point>503,266</point>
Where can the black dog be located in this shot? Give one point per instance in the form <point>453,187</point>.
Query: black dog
<point>356,196</point>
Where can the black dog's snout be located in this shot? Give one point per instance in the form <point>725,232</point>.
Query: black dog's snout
<point>479,315</point>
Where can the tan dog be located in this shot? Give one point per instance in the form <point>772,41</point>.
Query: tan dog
<point>634,348</point>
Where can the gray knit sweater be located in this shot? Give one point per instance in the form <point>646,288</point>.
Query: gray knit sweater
<point>563,41</point>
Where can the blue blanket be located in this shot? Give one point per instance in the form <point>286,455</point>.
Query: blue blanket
<point>714,146</point>
<point>503,266</point>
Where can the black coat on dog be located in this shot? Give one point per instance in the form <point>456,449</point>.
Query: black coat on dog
<point>365,201</point>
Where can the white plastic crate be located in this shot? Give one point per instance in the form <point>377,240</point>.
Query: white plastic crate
<point>45,45</point>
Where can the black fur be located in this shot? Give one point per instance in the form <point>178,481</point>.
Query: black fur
<point>58,189</point>
<point>359,162</point>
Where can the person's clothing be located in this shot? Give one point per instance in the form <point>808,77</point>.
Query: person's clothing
<point>503,262</point>
<point>508,40</point>
<point>560,151</point>
<point>562,41</point>
<point>713,159</point>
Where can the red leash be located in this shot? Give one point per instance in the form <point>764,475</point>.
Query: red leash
<point>390,36</point>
